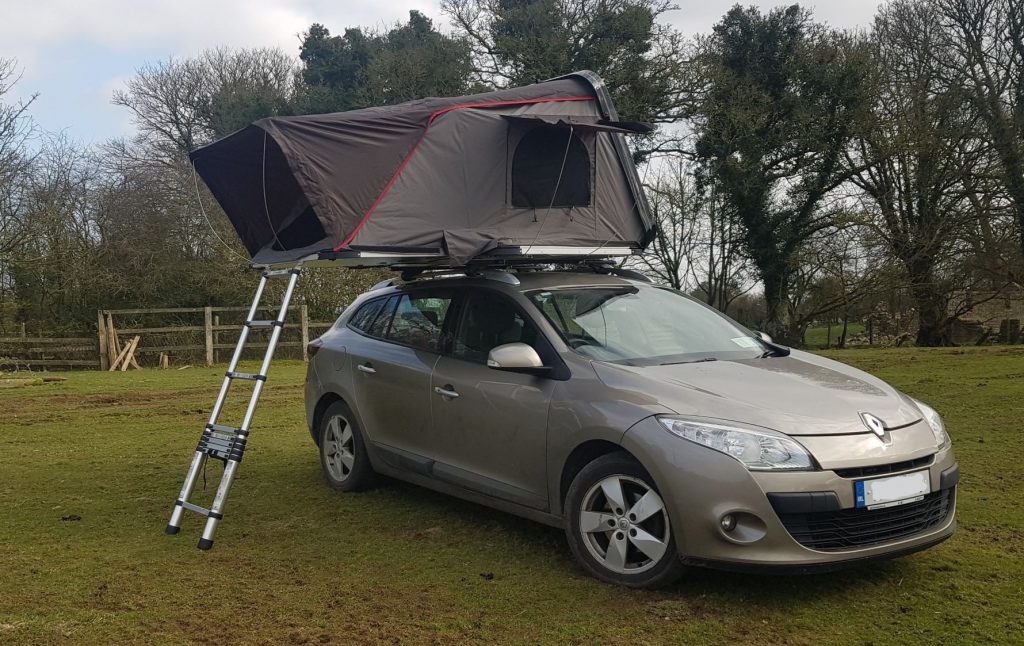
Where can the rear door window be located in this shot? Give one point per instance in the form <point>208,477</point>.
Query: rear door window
<point>419,320</point>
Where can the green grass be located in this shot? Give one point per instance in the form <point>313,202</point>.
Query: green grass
<point>296,562</point>
<point>819,337</point>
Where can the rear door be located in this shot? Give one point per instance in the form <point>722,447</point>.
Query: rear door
<point>490,426</point>
<point>392,362</point>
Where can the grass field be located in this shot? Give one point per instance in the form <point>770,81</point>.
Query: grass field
<point>296,562</point>
<point>819,337</point>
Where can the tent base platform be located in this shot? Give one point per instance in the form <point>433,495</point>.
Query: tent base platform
<point>417,258</point>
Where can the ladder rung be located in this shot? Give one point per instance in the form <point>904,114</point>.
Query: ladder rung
<point>196,508</point>
<point>200,510</point>
<point>276,273</point>
<point>264,323</point>
<point>220,428</point>
<point>245,375</point>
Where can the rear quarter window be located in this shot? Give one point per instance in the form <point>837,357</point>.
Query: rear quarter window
<point>366,313</point>
<point>379,326</point>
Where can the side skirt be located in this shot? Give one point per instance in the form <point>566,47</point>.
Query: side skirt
<point>420,471</point>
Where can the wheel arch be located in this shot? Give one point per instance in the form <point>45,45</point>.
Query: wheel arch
<point>326,401</point>
<point>580,457</point>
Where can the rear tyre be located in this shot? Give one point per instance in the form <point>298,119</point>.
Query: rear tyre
<point>343,456</point>
<point>618,526</point>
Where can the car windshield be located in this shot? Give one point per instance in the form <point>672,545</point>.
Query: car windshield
<point>649,326</point>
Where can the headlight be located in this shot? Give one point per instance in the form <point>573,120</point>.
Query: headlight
<point>758,449</point>
<point>935,422</point>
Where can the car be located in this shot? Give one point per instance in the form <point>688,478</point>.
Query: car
<point>657,432</point>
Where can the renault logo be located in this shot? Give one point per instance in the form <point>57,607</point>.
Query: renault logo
<point>874,424</point>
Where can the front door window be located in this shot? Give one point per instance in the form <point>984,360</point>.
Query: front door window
<point>490,320</point>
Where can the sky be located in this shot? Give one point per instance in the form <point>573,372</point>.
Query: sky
<point>75,53</point>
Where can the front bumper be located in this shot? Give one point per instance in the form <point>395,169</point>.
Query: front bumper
<point>813,522</point>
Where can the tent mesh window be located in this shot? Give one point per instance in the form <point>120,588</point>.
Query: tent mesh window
<point>551,167</point>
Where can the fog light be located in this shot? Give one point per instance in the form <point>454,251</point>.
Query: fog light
<point>728,522</point>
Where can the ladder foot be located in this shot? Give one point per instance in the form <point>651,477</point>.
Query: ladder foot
<point>171,529</point>
<point>205,543</point>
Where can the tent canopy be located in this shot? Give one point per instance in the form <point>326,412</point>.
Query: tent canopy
<point>541,165</point>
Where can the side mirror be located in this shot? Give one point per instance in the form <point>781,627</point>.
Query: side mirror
<point>763,336</point>
<point>515,357</point>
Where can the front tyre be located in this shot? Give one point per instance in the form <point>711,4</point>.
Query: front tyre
<point>618,526</point>
<point>343,456</point>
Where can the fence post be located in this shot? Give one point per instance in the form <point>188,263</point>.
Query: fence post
<point>101,330</point>
<point>304,321</point>
<point>216,338</point>
<point>208,327</point>
<point>113,345</point>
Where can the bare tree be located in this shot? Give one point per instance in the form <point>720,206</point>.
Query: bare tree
<point>983,52</point>
<point>16,128</point>
<point>675,209</point>
<point>922,158</point>
<point>835,274</point>
<point>720,267</point>
<point>179,105</point>
<point>697,246</point>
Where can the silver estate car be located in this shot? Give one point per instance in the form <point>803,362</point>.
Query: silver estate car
<point>656,431</point>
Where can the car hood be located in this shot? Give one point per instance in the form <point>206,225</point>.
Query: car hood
<point>800,394</point>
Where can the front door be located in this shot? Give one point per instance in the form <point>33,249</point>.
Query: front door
<point>490,426</point>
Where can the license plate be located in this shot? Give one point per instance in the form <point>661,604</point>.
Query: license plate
<point>892,491</point>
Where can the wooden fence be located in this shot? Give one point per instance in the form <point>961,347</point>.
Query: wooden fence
<point>47,352</point>
<point>186,335</point>
<point>209,342</point>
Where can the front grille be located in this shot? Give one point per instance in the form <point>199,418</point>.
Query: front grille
<point>879,469</point>
<point>849,528</point>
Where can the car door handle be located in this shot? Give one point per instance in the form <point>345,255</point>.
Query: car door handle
<point>367,368</point>
<point>446,391</point>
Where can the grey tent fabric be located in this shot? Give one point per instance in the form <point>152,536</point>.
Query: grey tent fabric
<point>440,174</point>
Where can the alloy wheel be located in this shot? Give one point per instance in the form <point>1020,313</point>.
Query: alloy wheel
<point>339,448</point>
<point>624,524</point>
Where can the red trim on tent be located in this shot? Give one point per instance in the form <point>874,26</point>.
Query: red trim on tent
<point>435,115</point>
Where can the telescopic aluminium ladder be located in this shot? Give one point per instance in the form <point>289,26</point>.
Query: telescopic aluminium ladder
<point>227,443</point>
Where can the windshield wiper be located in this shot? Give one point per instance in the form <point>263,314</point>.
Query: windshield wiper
<point>774,351</point>
<point>676,363</point>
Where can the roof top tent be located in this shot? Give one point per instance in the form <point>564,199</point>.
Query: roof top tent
<point>539,172</point>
